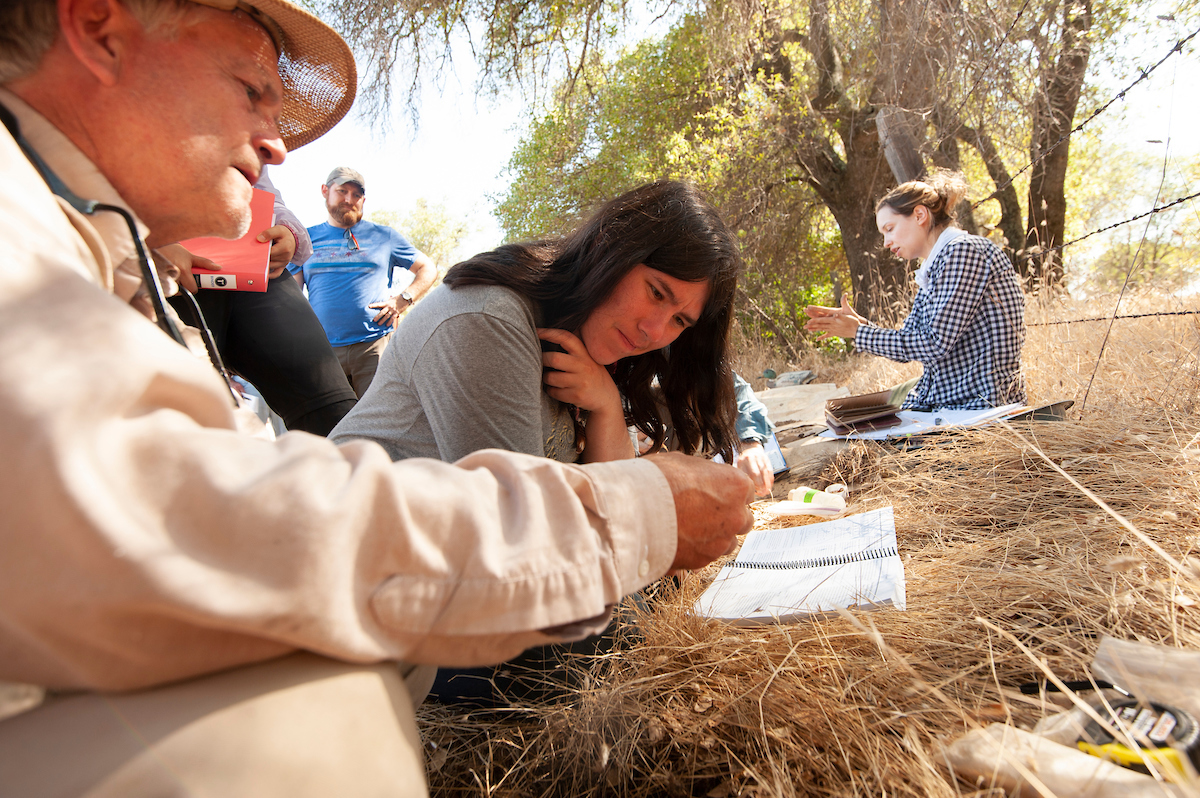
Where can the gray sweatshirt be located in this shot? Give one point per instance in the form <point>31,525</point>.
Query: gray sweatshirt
<point>462,372</point>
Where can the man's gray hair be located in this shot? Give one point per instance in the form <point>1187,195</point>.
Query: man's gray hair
<point>28,28</point>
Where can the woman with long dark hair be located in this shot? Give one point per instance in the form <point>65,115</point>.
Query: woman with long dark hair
<point>555,347</point>
<point>967,324</point>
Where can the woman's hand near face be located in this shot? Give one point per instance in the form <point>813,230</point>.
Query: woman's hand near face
<point>573,377</point>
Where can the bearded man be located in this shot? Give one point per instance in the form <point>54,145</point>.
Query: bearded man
<point>357,279</point>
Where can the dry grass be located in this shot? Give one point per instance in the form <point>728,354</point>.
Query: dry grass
<point>993,538</point>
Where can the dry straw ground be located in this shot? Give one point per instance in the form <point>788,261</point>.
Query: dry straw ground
<point>1011,568</point>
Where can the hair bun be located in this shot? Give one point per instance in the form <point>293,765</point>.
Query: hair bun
<point>940,192</point>
<point>950,188</point>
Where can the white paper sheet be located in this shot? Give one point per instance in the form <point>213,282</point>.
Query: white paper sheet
<point>915,422</point>
<point>783,575</point>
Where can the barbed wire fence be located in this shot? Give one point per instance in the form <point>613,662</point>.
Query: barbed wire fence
<point>1121,316</point>
<point>1105,229</point>
<point>1144,73</point>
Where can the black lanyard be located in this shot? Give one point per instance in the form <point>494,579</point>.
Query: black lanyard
<point>149,274</point>
<point>88,208</point>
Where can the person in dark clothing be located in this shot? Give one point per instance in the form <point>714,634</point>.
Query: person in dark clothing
<point>273,339</point>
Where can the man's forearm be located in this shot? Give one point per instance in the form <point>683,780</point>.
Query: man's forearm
<point>424,272</point>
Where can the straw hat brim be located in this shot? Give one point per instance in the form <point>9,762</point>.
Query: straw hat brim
<point>316,66</point>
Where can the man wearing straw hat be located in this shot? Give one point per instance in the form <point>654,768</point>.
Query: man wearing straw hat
<point>160,571</point>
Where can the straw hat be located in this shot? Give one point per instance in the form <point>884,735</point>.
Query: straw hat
<point>315,64</point>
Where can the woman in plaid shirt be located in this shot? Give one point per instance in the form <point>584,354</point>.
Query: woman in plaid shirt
<point>967,323</point>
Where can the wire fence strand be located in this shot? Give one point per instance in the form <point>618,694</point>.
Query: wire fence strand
<point>1108,318</point>
<point>1114,225</point>
<point>1145,73</point>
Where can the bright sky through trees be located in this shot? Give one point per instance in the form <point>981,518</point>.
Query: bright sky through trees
<point>456,159</point>
<point>463,142</point>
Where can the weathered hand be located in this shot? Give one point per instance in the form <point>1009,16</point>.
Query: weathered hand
<point>711,506</point>
<point>754,462</point>
<point>390,310</point>
<point>842,322</point>
<point>184,261</point>
<point>283,248</point>
<point>574,378</point>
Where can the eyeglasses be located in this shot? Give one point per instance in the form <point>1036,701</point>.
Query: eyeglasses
<point>351,240</point>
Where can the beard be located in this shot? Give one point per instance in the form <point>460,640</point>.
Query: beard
<point>345,214</point>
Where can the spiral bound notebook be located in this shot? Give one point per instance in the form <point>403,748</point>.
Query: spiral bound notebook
<point>785,575</point>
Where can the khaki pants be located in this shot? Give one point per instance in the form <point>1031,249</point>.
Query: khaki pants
<point>299,727</point>
<point>360,361</point>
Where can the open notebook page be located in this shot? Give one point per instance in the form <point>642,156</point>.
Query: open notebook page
<point>782,575</point>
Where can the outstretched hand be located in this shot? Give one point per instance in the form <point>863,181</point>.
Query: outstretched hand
<point>840,322</point>
<point>573,377</point>
<point>711,507</point>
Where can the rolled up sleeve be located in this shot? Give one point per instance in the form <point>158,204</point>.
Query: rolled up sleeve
<point>146,541</point>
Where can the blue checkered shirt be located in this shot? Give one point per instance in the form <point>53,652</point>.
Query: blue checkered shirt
<point>966,328</point>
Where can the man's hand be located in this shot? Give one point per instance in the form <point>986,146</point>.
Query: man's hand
<point>184,262</point>
<point>753,460</point>
<point>283,248</point>
<point>390,310</point>
<point>841,322</point>
<point>711,506</point>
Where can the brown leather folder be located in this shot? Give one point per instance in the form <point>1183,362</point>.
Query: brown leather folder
<point>861,413</point>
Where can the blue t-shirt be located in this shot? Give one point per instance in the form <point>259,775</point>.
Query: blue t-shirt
<point>343,277</point>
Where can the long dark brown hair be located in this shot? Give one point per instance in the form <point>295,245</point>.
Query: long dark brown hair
<point>668,226</point>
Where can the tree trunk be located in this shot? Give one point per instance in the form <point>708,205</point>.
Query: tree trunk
<point>899,135</point>
<point>1053,118</point>
<point>876,277</point>
<point>1010,206</point>
<point>849,186</point>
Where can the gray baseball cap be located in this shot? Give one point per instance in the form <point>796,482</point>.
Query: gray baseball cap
<point>344,174</point>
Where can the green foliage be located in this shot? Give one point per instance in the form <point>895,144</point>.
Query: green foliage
<point>430,227</point>
<point>634,126</point>
<point>658,112</point>
<point>1163,248</point>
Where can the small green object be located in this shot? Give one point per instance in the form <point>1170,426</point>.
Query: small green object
<point>901,391</point>
<point>809,495</point>
<point>769,374</point>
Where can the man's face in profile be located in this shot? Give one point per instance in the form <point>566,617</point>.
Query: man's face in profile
<point>210,103</point>
<point>344,203</point>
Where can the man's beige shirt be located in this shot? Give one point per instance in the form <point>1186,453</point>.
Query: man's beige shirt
<point>144,540</point>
